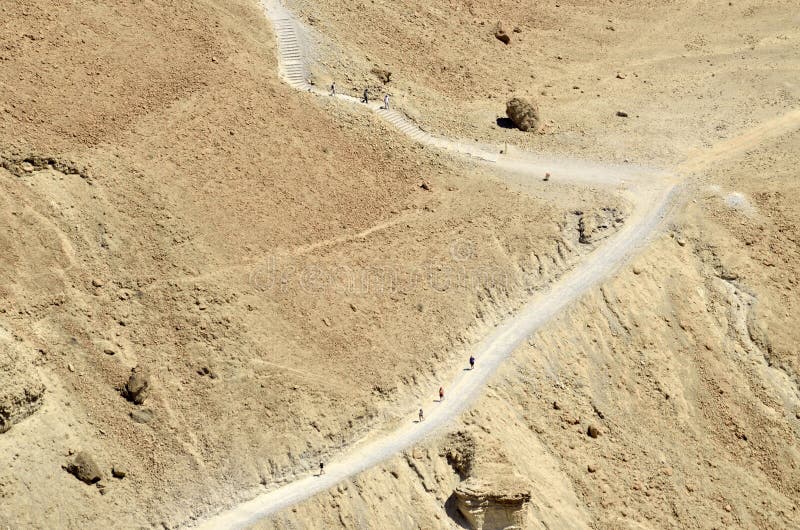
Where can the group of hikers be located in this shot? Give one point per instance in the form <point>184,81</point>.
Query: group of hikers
<point>365,97</point>
<point>421,414</point>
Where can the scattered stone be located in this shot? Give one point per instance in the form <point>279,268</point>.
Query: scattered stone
<point>27,167</point>
<point>728,508</point>
<point>84,468</point>
<point>203,371</point>
<point>637,270</point>
<point>523,113</point>
<point>517,29</point>
<point>109,351</point>
<point>142,415</point>
<point>690,487</point>
<point>501,35</point>
<point>591,468</point>
<point>70,367</point>
<point>593,431</point>
<point>622,114</point>
<point>556,406</point>
<point>138,386</point>
<point>797,414</point>
<point>620,75</point>
<point>383,75</point>
<point>97,283</point>
<point>426,185</point>
<point>118,472</point>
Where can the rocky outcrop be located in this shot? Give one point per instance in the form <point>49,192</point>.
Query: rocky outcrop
<point>21,391</point>
<point>491,495</point>
<point>596,225</point>
<point>497,504</point>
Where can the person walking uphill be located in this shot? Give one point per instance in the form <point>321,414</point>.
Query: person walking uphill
<point>321,469</point>
<point>333,89</point>
<point>386,102</point>
<point>365,99</point>
<point>441,393</point>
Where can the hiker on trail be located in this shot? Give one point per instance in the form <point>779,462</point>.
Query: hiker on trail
<point>471,362</point>
<point>333,89</point>
<point>365,99</point>
<point>441,393</point>
<point>386,102</point>
<point>546,177</point>
<point>321,469</point>
<point>420,415</point>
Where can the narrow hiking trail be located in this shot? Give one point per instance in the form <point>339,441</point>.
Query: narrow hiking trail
<point>650,192</point>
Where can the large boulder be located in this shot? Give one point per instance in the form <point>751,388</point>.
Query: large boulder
<point>523,113</point>
<point>85,468</point>
<point>138,386</point>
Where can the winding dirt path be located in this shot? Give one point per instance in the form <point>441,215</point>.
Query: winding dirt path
<point>650,192</point>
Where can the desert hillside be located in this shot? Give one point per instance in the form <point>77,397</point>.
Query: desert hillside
<point>210,281</point>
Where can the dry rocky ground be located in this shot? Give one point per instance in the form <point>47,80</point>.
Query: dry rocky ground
<point>274,268</point>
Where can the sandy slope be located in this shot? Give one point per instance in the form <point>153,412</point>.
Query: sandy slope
<point>651,199</point>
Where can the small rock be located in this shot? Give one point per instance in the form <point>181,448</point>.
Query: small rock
<point>27,167</point>
<point>556,406</point>
<point>142,416</point>
<point>681,242</point>
<point>102,488</point>
<point>591,468</point>
<point>138,386</point>
<point>593,431</point>
<point>620,75</point>
<point>109,351</point>
<point>118,472</point>
<point>97,283</point>
<point>797,414</point>
<point>637,270</point>
<point>517,29</point>
<point>85,468</point>
<point>501,35</point>
<point>666,471</point>
<point>426,186</point>
<point>622,114</point>
<point>70,367</point>
<point>728,508</point>
<point>690,487</point>
<point>326,322</point>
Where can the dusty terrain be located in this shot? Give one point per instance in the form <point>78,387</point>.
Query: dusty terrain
<point>273,262</point>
